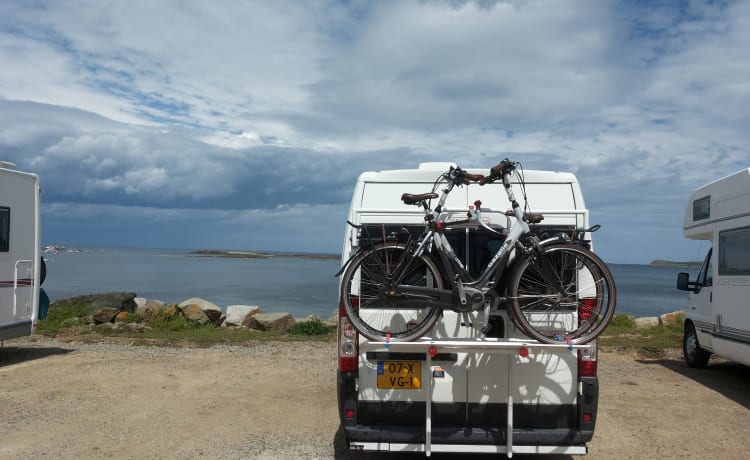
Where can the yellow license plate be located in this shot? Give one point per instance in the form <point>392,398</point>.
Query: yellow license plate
<point>400,375</point>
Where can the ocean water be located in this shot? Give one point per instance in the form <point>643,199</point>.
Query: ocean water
<point>300,286</point>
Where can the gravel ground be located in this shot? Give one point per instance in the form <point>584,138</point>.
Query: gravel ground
<point>277,400</point>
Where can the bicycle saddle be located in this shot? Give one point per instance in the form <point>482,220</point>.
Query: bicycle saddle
<point>530,217</point>
<point>408,198</point>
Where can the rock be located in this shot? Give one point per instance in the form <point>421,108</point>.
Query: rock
<point>105,315</point>
<point>122,301</point>
<point>238,314</point>
<point>668,318</point>
<point>121,317</point>
<point>195,314</point>
<point>333,320</point>
<point>152,310</point>
<point>648,321</point>
<point>140,304</point>
<point>211,310</point>
<point>172,310</point>
<point>279,322</point>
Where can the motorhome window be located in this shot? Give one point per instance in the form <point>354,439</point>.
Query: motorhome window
<point>734,252</point>
<point>702,208</point>
<point>4,228</point>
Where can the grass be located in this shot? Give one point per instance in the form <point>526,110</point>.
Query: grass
<point>622,332</point>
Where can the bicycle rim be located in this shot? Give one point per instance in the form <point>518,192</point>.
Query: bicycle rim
<point>578,316</point>
<point>368,306</point>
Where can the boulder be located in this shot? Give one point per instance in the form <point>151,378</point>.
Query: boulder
<point>152,309</point>
<point>172,310</point>
<point>668,318</point>
<point>105,315</point>
<point>645,323</point>
<point>140,304</point>
<point>238,314</point>
<point>333,320</point>
<point>122,301</point>
<point>121,317</point>
<point>195,314</point>
<point>211,310</point>
<point>279,322</point>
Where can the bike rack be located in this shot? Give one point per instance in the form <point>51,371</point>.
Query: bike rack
<point>432,347</point>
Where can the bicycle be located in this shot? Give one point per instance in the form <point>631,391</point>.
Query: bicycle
<point>556,290</point>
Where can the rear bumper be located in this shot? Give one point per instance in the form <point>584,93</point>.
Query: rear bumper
<point>472,424</point>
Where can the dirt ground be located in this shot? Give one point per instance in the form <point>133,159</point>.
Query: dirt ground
<point>278,401</point>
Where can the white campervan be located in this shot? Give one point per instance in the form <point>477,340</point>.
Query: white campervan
<point>718,318</point>
<point>464,391</point>
<point>20,262</point>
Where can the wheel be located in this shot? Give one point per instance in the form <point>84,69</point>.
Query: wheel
<point>695,356</point>
<point>575,306</point>
<point>371,299</point>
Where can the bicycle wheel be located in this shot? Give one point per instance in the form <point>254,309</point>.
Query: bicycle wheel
<point>371,299</point>
<point>576,315</point>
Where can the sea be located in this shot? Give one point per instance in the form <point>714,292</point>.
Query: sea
<point>301,286</point>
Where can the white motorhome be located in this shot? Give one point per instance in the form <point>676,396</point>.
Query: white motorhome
<point>457,390</point>
<point>717,320</point>
<point>20,262</point>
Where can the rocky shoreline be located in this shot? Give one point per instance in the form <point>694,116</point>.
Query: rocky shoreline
<point>126,310</point>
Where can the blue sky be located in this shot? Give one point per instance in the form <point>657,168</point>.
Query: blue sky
<point>243,125</point>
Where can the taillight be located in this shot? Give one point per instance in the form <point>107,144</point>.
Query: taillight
<point>587,358</point>
<point>586,309</point>
<point>348,340</point>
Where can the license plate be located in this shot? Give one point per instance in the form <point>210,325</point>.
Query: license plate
<point>400,375</point>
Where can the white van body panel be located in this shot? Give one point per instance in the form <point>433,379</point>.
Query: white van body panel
<point>19,253</point>
<point>719,212</point>
<point>494,375</point>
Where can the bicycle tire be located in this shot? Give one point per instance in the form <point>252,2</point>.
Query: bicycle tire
<point>579,317</point>
<point>369,307</point>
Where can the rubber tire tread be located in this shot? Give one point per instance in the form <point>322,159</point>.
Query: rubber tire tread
<point>361,325</point>
<point>577,337</point>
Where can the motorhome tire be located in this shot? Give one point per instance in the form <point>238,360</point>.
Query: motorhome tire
<point>695,356</point>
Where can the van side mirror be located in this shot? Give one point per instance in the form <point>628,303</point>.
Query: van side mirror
<point>684,283</point>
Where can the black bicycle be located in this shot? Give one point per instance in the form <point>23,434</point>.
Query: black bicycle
<point>556,290</point>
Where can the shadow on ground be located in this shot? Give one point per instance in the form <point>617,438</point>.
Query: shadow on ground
<point>10,354</point>
<point>725,377</point>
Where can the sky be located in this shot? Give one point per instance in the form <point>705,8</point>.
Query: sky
<point>244,124</point>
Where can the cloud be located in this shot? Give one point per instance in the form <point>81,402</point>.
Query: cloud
<point>253,107</point>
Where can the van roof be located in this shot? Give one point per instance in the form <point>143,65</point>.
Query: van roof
<point>429,172</point>
<point>718,200</point>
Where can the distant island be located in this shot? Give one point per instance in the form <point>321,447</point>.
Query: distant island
<point>260,255</point>
<point>670,263</point>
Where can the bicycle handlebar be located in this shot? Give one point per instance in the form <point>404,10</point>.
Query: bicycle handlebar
<point>473,178</point>
<point>500,169</point>
<point>460,177</point>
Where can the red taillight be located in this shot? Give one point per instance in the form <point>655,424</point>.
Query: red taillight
<point>348,340</point>
<point>586,310</point>
<point>587,359</point>
<point>587,417</point>
<point>350,413</point>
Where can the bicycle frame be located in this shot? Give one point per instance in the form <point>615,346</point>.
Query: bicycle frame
<point>443,298</point>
